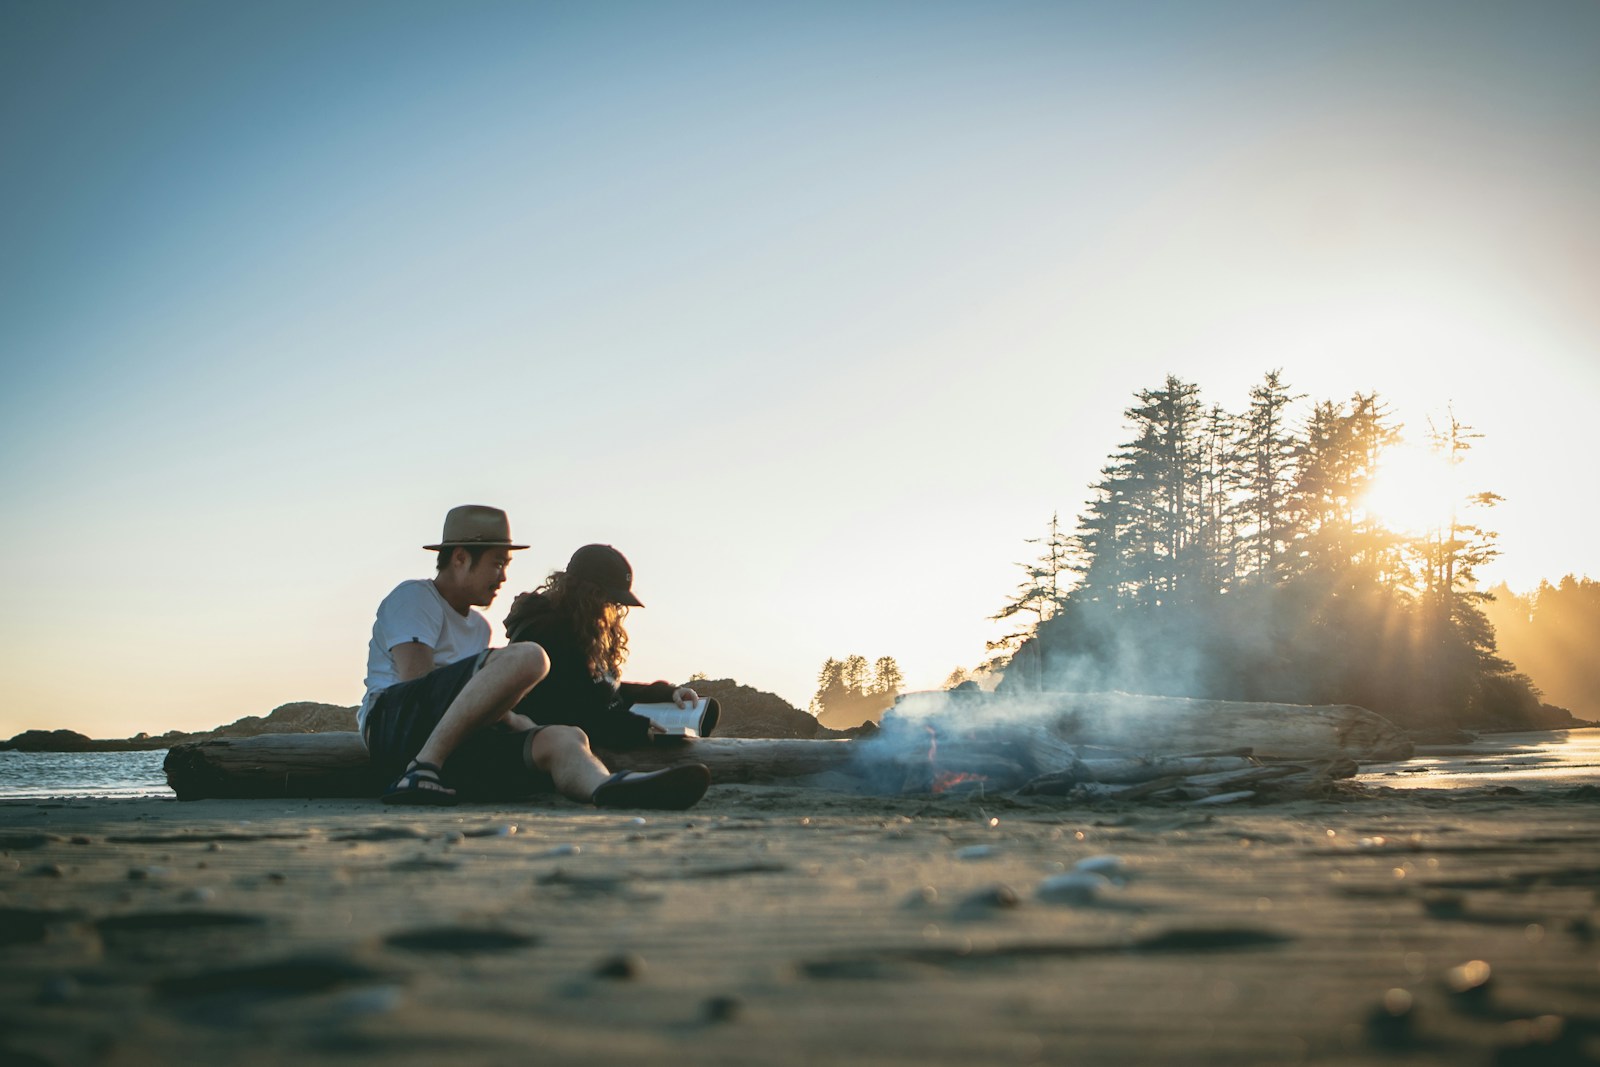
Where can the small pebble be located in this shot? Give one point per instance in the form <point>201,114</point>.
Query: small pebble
<point>148,874</point>
<point>638,820</point>
<point>198,895</point>
<point>1074,887</point>
<point>277,876</point>
<point>995,896</point>
<point>922,897</point>
<point>1468,985</point>
<point>1111,868</point>
<point>454,837</point>
<point>723,1009</point>
<point>624,966</point>
<point>80,839</point>
<point>48,870</point>
<point>561,850</point>
<point>975,852</point>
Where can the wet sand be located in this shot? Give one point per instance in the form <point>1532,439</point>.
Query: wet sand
<point>790,925</point>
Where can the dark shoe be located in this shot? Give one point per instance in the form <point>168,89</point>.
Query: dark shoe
<point>420,784</point>
<point>672,789</point>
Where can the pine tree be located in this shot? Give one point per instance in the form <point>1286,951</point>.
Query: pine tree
<point>887,681</point>
<point>1268,451</point>
<point>1042,591</point>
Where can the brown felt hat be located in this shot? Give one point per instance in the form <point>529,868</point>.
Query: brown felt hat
<point>475,524</point>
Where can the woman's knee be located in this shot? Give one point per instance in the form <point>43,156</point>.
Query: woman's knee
<point>553,742</point>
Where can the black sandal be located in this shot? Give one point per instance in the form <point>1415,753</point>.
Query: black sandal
<point>421,785</point>
<point>672,789</point>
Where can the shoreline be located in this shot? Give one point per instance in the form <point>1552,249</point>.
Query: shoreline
<point>786,925</point>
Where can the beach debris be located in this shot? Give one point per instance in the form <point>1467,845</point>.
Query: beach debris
<point>425,863</point>
<point>460,940</point>
<point>722,1008</point>
<point>732,870</point>
<point>623,967</point>
<point>568,849</point>
<point>882,962</point>
<point>1468,985</point>
<point>149,874</point>
<point>382,833</point>
<point>25,842</point>
<point>167,922</point>
<point>21,926</point>
<point>61,989</point>
<point>997,897</point>
<point>976,852</point>
<point>289,977</point>
<point>1072,887</point>
<point>1389,1024</point>
<point>503,830</point>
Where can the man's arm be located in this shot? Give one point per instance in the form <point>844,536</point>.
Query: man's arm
<point>412,659</point>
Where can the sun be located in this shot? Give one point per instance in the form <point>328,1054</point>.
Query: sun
<point>1413,492</point>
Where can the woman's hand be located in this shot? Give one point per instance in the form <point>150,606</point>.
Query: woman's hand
<point>683,696</point>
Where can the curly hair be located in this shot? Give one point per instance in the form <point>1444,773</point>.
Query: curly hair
<point>594,617</point>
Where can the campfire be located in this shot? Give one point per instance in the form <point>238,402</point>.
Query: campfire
<point>961,743</point>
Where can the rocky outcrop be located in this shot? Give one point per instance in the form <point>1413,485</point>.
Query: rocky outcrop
<point>300,717</point>
<point>749,712</point>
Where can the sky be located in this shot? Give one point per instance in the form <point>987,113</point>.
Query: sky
<point>817,311</point>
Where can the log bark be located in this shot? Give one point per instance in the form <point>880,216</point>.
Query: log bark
<point>336,765</point>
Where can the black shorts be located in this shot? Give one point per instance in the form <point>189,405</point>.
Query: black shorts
<point>488,764</point>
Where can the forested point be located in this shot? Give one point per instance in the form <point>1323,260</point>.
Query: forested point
<point>850,692</point>
<point>1234,556</point>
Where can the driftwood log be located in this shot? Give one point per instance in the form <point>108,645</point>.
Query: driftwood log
<point>335,764</point>
<point>928,740</point>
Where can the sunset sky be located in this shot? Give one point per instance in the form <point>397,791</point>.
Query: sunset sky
<point>816,311</point>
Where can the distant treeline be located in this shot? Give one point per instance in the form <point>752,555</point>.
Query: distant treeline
<point>849,692</point>
<point>1233,556</point>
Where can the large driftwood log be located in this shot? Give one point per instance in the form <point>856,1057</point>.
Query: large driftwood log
<point>335,764</point>
<point>926,738</point>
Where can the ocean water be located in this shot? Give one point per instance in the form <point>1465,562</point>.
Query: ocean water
<point>42,775</point>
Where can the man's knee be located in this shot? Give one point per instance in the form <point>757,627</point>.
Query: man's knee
<point>526,661</point>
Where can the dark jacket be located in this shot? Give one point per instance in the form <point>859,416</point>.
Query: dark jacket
<point>569,695</point>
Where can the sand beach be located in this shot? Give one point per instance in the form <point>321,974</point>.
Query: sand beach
<point>791,925</point>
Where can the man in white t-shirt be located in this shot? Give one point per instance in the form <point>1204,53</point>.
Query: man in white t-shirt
<point>439,701</point>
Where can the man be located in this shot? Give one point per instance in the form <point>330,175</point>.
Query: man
<point>439,701</point>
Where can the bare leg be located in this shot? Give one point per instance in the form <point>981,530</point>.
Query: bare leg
<point>505,678</point>
<point>563,753</point>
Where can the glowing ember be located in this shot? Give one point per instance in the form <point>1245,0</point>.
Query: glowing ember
<point>951,779</point>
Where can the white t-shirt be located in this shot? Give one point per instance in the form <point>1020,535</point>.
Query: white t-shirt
<point>416,612</point>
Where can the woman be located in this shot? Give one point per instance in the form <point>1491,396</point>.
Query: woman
<point>577,615</point>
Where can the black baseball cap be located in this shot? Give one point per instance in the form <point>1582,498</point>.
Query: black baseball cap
<point>606,568</point>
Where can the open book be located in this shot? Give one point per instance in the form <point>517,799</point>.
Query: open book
<point>696,720</point>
